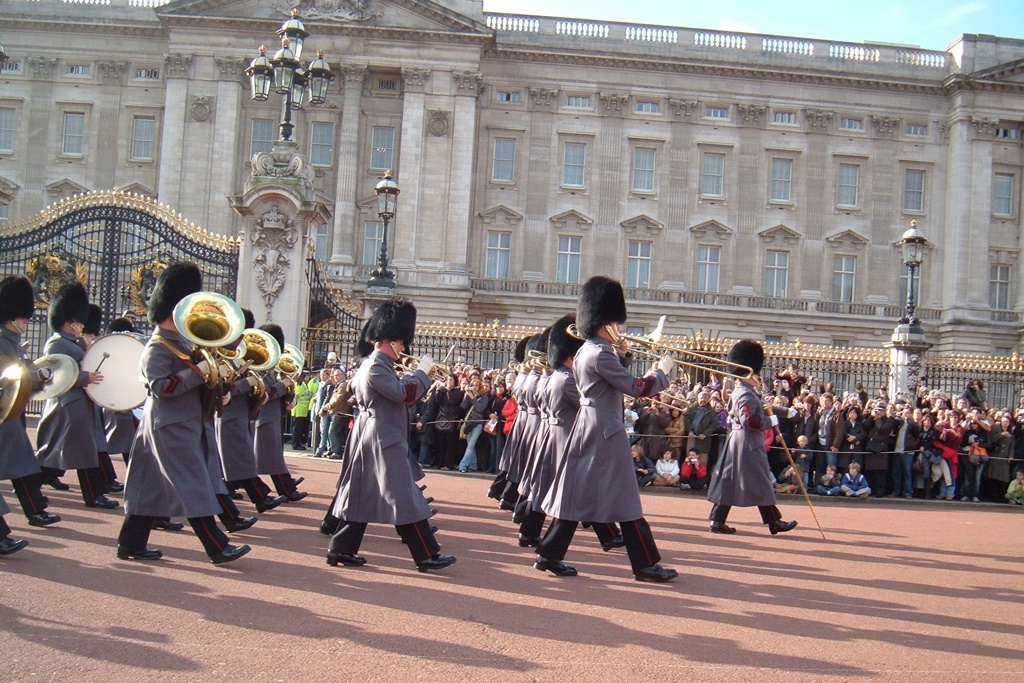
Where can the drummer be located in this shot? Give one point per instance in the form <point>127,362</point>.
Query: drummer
<point>68,428</point>
<point>120,425</point>
<point>17,458</point>
<point>90,333</point>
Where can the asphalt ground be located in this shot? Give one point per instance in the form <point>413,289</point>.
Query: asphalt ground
<point>899,591</point>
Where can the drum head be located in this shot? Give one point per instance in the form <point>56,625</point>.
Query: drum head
<point>117,357</point>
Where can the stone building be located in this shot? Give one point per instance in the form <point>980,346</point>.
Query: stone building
<point>743,185</point>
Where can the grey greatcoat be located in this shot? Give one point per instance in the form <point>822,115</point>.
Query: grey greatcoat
<point>234,435</point>
<point>377,483</point>
<point>69,426</point>
<point>527,424</point>
<point>268,438</point>
<point>512,442</point>
<point>595,481</point>
<point>562,403</point>
<point>167,469</point>
<point>742,477</point>
<point>120,426</point>
<point>17,457</point>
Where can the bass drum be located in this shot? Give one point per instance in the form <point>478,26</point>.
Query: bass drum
<point>117,357</point>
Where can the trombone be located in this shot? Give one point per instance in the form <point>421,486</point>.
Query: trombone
<point>649,346</point>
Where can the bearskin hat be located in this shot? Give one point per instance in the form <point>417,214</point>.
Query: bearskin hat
<point>69,304</point>
<point>393,320</point>
<point>520,353</point>
<point>120,325</point>
<point>92,324</point>
<point>250,319</point>
<point>364,346</point>
<point>275,331</point>
<point>748,352</point>
<point>561,345</point>
<point>601,303</point>
<point>17,300</point>
<point>176,282</point>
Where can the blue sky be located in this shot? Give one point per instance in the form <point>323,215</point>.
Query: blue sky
<point>932,25</point>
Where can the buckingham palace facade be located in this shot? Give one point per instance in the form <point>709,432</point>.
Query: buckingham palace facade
<point>743,185</point>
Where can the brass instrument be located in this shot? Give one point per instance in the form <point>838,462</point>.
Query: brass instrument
<point>536,360</point>
<point>290,364</point>
<point>15,391</point>
<point>407,363</point>
<point>211,321</point>
<point>649,346</point>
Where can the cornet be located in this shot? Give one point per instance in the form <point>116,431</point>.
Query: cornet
<point>407,363</point>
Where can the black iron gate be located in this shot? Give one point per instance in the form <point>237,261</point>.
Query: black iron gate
<point>116,244</point>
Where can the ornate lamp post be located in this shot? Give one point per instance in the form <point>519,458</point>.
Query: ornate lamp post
<point>382,280</point>
<point>908,345</point>
<point>287,76</point>
<point>913,253</point>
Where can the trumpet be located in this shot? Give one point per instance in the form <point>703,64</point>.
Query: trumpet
<point>407,363</point>
<point>649,346</point>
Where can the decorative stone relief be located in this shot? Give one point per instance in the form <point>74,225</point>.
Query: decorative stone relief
<point>8,191</point>
<point>414,80</point>
<point>752,114</point>
<point>232,66</point>
<point>111,72</point>
<point>354,75</point>
<point>614,103</point>
<point>780,234</point>
<point>201,109</point>
<point>42,67</point>
<point>847,240</point>
<point>1003,256</point>
<point>273,234</point>
<point>643,224</point>
<point>438,123</point>
<point>177,65</point>
<point>468,83</point>
<point>886,125</point>
<point>819,119</point>
<point>682,107</point>
<point>571,220</point>
<point>544,98</point>
<point>283,161</point>
<point>501,216</point>
<point>339,11</point>
<point>984,127</point>
<point>711,230</point>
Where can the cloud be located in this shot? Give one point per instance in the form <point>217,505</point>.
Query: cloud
<point>957,14</point>
<point>733,26</point>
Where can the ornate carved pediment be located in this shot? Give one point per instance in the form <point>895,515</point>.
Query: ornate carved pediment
<point>139,189</point>
<point>414,80</point>
<point>1003,256</point>
<point>614,103</point>
<point>682,107</point>
<point>780,235</point>
<point>63,188</point>
<point>8,190</point>
<point>711,230</point>
<point>111,71</point>
<point>501,217</point>
<point>984,127</point>
<point>571,220</point>
<point>848,240</point>
<point>642,224</point>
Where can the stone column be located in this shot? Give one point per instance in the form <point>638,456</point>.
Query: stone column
<point>172,143</point>
<point>227,116</point>
<point>345,211</point>
<point>906,359</point>
<point>463,152</point>
<point>409,174</point>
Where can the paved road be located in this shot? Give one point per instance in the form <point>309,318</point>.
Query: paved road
<point>898,592</point>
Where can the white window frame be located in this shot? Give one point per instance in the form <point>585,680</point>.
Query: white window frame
<point>638,264</point>
<point>382,148</point>
<point>79,70</point>
<point>503,165</point>
<point>147,73</point>
<point>917,129</point>
<point>72,141</point>
<point>851,123</point>
<point>260,144</point>
<point>510,96</point>
<point>373,235</point>
<point>784,118</point>
<point>709,177</point>
<point>574,165</point>
<point>321,242</point>
<point>844,278</point>
<point>709,268</point>
<point>570,252</point>
<point>8,124</point>
<point>855,169</point>
<point>716,112</point>
<point>776,273</point>
<point>139,144</point>
<point>645,169</point>
<point>780,182</point>
<point>318,144</point>
<point>648,107</point>
<point>1003,186</point>
<point>578,102</point>
<point>498,256</point>
<point>913,195</point>
<point>999,287</point>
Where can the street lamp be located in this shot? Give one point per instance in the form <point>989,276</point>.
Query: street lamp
<point>3,56</point>
<point>387,197</point>
<point>913,242</point>
<point>287,76</point>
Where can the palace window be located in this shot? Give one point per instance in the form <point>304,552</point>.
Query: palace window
<point>638,265</point>
<point>574,162</point>
<point>499,246</point>
<point>844,272</point>
<point>712,179</point>
<point>373,235</point>
<point>143,138</point>
<point>578,101</point>
<point>504,167</point>
<point>262,137</point>
<point>851,124</point>
<point>782,180</point>
<point>568,266</point>
<point>6,130</point>
<point>645,107</point>
<point>321,143</point>
<point>787,118</point>
<point>716,112</point>
<point>1002,190</point>
<point>776,273</point>
<point>643,169</point>
<point>917,129</point>
<point>999,287</point>
<point>382,148</point>
<point>507,96</point>
<point>74,134</point>
<point>709,261</point>
<point>913,190</point>
<point>847,190</point>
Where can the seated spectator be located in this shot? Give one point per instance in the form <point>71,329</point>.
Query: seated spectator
<point>855,484</point>
<point>789,480</point>
<point>645,474</point>
<point>830,484</point>
<point>629,418</point>
<point>693,473</point>
<point>667,469</point>
<point>1015,492</point>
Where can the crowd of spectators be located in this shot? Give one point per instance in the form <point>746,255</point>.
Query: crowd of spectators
<point>845,444</point>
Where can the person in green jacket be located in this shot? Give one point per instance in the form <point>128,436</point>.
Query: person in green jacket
<point>305,390</point>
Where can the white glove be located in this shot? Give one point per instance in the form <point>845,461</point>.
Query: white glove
<point>667,365</point>
<point>204,368</point>
<point>253,381</point>
<point>426,364</point>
